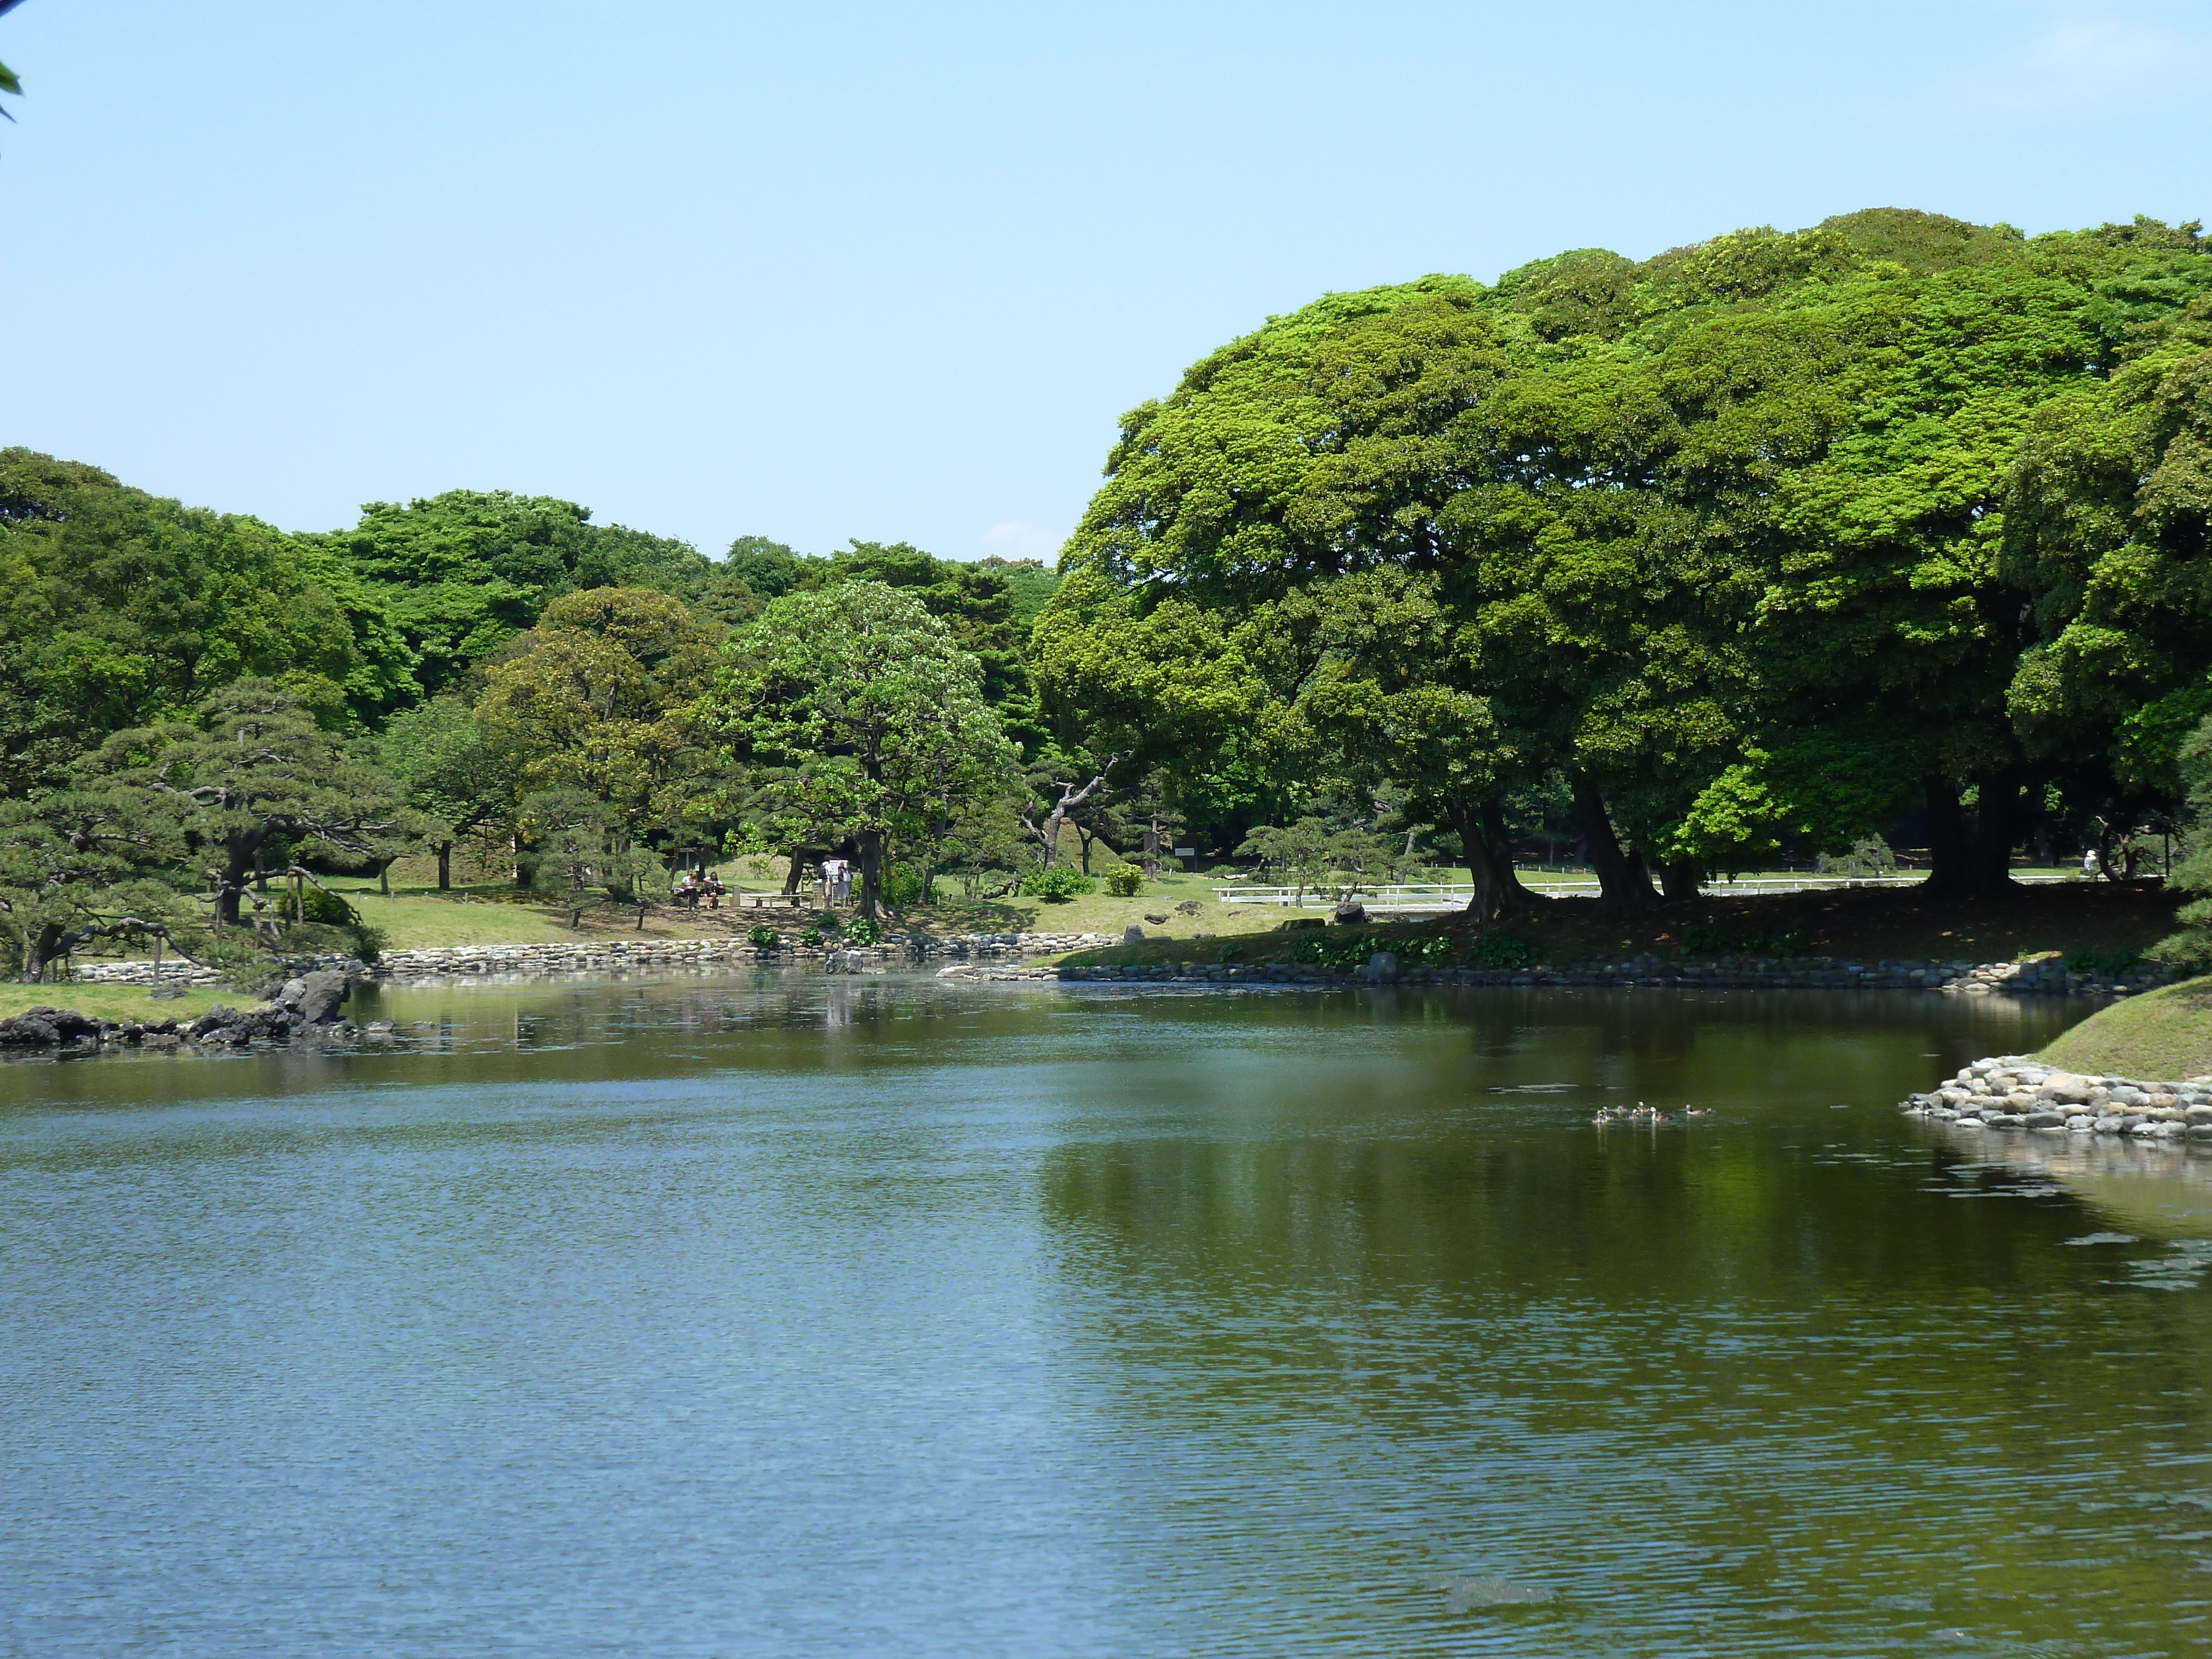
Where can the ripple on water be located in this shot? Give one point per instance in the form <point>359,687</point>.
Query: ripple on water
<point>715,1321</point>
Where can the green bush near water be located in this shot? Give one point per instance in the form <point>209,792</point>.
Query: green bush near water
<point>1502,947</point>
<point>2106,964</point>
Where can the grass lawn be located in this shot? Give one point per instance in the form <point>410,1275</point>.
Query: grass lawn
<point>2162,1036</point>
<point>1100,913</point>
<point>415,921</point>
<point>115,1001</point>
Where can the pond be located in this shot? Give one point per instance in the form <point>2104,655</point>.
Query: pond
<point>800,1316</point>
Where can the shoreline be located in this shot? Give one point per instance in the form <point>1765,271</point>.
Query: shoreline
<point>2018,1094</point>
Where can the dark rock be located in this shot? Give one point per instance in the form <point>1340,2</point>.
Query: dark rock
<point>320,993</point>
<point>1352,912</point>
<point>48,1028</point>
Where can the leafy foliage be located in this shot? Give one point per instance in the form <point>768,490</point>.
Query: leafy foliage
<point>1058,885</point>
<point>461,573</point>
<point>1504,947</point>
<point>865,721</point>
<point>1721,938</point>
<point>1783,534</point>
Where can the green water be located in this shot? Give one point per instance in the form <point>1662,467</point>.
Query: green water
<point>879,1317</point>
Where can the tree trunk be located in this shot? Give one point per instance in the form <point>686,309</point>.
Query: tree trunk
<point>872,872</point>
<point>1489,847</point>
<point>1679,879</point>
<point>1947,869</point>
<point>241,862</point>
<point>1996,827</point>
<point>1623,883</point>
<point>40,949</point>
<point>445,866</point>
<point>1152,849</point>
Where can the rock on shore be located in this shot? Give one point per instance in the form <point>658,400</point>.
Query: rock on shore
<point>306,1008</point>
<point>2016,1092</point>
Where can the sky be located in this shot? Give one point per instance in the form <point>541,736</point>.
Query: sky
<point>894,273</point>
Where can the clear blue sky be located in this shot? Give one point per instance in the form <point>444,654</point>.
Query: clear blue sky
<point>893,272</point>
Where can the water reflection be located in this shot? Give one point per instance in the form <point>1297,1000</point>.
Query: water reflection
<point>793,1316</point>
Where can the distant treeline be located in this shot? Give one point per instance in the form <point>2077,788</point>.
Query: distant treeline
<point>122,609</point>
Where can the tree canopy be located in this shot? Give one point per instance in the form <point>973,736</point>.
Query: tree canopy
<point>1718,541</point>
<point>867,719</point>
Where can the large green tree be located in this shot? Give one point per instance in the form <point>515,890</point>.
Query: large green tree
<point>455,776</point>
<point>599,696</point>
<point>256,785</point>
<point>463,572</point>
<point>1712,539</point>
<point>865,720</point>
<point>82,864</point>
<point>119,608</point>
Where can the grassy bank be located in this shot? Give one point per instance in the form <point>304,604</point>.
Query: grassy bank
<point>2163,1035</point>
<point>1859,924</point>
<point>497,915</point>
<point>114,1001</point>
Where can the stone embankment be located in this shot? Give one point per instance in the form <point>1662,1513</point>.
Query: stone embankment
<point>2013,1091</point>
<point>2036,977</point>
<point>618,956</point>
<point>171,972</point>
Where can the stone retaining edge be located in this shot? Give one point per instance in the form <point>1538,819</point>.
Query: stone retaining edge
<point>2017,1092</point>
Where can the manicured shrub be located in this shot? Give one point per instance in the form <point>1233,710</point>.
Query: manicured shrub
<point>1126,880</point>
<point>1058,885</point>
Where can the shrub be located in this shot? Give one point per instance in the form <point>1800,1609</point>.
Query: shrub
<point>329,909</point>
<point>1126,880</point>
<point>763,938</point>
<point>1721,938</point>
<point>1057,886</point>
<point>1435,948</point>
<point>2106,964</point>
<point>905,888</point>
<point>1502,947</point>
<point>810,937</point>
<point>1347,950</point>
<point>866,931</point>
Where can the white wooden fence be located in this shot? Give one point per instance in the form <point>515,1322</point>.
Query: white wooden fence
<point>1405,897</point>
